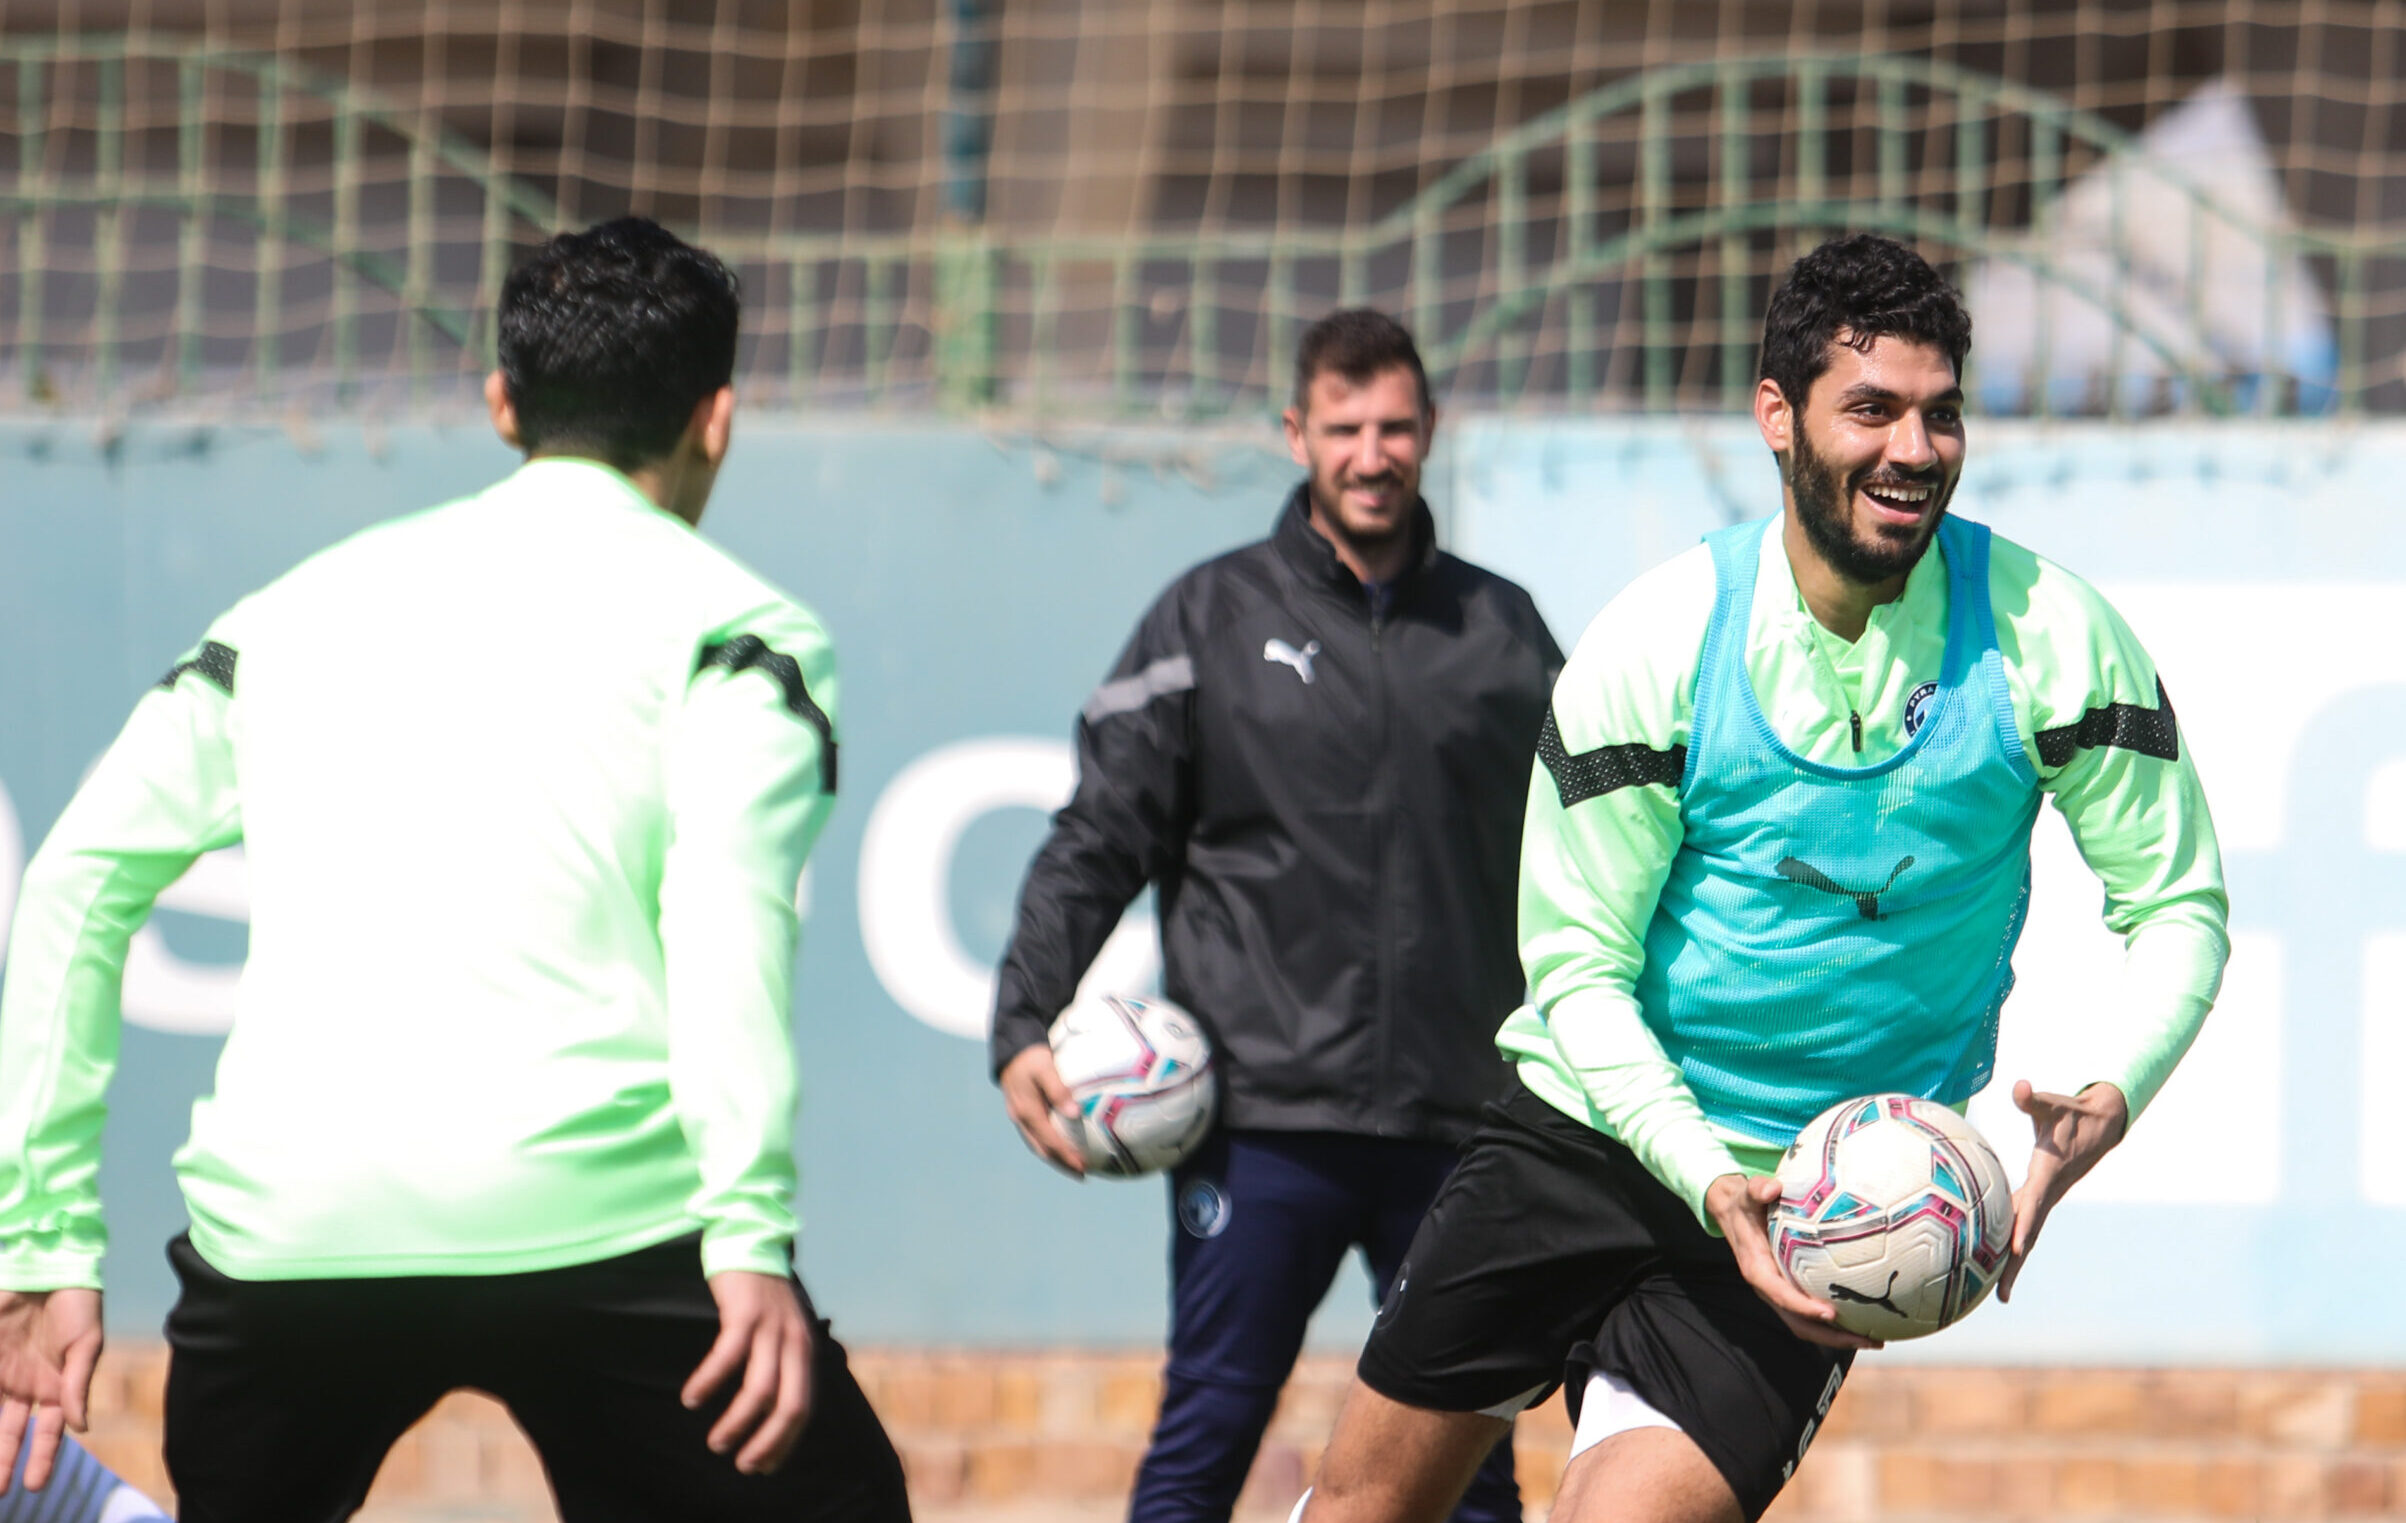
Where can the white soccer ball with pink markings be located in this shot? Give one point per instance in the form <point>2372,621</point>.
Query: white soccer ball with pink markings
<point>1896,1212</point>
<point>1139,1072</point>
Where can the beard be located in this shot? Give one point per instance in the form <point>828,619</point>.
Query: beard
<point>1824,506</point>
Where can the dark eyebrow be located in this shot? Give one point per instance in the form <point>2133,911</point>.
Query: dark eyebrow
<point>1864,391</point>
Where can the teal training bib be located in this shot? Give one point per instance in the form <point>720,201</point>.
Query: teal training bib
<point>1835,931</point>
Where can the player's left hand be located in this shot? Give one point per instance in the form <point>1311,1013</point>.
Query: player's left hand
<point>2072,1133</point>
<point>762,1332</point>
<point>49,1342</point>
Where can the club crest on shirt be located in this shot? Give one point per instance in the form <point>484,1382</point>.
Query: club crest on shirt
<point>1203,1208</point>
<point>1917,707</point>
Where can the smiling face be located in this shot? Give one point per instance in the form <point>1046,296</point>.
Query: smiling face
<point>1363,445</point>
<point>1873,458</point>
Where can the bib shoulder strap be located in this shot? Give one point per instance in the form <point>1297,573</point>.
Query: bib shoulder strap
<point>1964,544</point>
<point>1737,556</point>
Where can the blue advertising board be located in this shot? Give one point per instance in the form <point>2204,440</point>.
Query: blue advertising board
<point>978,586</point>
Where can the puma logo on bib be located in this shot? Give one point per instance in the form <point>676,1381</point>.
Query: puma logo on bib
<point>1867,902</point>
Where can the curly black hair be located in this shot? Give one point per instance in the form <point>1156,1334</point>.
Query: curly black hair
<point>609,337</point>
<point>1850,291</point>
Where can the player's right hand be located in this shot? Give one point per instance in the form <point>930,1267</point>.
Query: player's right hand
<point>764,1338</point>
<point>1741,1205</point>
<point>49,1342</point>
<point>1039,1104</point>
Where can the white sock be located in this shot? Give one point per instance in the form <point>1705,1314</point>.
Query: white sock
<point>1297,1515</point>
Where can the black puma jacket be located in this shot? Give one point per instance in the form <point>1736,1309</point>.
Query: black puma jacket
<point>1328,800</point>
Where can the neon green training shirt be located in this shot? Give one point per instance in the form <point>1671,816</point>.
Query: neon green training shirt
<point>525,782</point>
<point>1591,874</point>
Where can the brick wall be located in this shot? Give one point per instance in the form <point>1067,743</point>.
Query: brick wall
<point>1041,1434</point>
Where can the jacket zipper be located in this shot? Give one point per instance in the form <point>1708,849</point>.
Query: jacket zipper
<point>1854,722</point>
<point>1383,1011</point>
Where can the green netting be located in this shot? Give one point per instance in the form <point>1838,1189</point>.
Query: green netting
<point>1108,208</point>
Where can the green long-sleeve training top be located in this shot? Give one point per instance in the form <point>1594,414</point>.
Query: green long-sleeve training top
<point>525,782</point>
<point>1591,874</point>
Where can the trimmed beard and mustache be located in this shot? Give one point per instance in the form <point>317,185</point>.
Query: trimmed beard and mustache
<point>1824,508</point>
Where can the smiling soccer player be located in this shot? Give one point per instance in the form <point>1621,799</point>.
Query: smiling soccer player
<point>1777,854</point>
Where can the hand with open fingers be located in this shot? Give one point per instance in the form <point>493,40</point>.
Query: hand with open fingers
<point>1742,1206</point>
<point>764,1336</point>
<point>49,1342</point>
<point>2071,1133</point>
<point>1039,1103</point>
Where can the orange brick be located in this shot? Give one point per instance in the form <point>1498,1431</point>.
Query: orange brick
<point>1548,1419</point>
<point>2088,1487</point>
<point>2025,1488</point>
<point>2381,1414</point>
<point>906,1398</point>
<point>964,1396</point>
<point>999,1472</point>
<point>2090,1403</point>
<point>1910,1481</point>
<point>1538,1462</point>
<point>934,1470</point>
<point>2197,1405</point>
<point>1871,1406</point>
<point>2358,1488</point>
<point>1985,1402</point>
<point>2294,1487</point>
<point>1128,1402</point>
<point>1085,1471</point>
<point>2302,1411</point>
<point>1019,1399</point>
<point>2233,1488</point>
<point>1837,1482</point>
<point>2162,1488</point>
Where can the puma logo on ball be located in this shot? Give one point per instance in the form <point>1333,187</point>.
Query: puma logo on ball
<point>1842,1293</point>
<point>1301,660</point>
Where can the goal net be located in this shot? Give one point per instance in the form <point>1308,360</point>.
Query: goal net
<point>1132,207</point>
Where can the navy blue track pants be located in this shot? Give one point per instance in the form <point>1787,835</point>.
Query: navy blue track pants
<point>1260,1222</point>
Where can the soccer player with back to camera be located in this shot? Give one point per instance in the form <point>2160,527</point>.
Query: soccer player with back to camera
<point>1777,855</point>
<point>525,783</point>
<point>1315,747</point>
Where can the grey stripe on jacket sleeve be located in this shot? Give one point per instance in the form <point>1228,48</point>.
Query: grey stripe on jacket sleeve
<point>1170,674</point>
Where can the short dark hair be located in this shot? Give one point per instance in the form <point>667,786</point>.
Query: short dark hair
<point>1850,291</point>
<point>1357,343</point>
<point>609,337</point>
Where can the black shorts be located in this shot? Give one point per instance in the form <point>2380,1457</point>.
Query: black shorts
<point>1552,1254</point>
<point>283,1395</point>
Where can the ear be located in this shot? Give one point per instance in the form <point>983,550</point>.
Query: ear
<point>1294,426</point>
<point>505,417</point>
<point>1428,427</point>
<point>712,427</point>
<point>1774,416</point>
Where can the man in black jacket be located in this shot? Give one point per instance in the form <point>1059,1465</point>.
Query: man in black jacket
<point>1317,748</point>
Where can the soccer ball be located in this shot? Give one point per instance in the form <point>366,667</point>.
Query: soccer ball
<point>1140,1074</point>
<point>1896,1212</point>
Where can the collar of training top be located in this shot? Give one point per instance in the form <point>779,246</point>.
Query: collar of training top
<point>1315,559</point>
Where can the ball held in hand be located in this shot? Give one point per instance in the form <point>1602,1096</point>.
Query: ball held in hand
<point>1139,1073</point>
<point>1894,1210</point>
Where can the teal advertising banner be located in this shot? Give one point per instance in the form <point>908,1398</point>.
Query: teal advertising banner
<point>979,585</point>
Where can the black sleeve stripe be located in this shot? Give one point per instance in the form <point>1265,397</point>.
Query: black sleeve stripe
<point>750,652</point>
<point>1592,774</point>
<point>214,661</point>
<point>2150,732</point>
